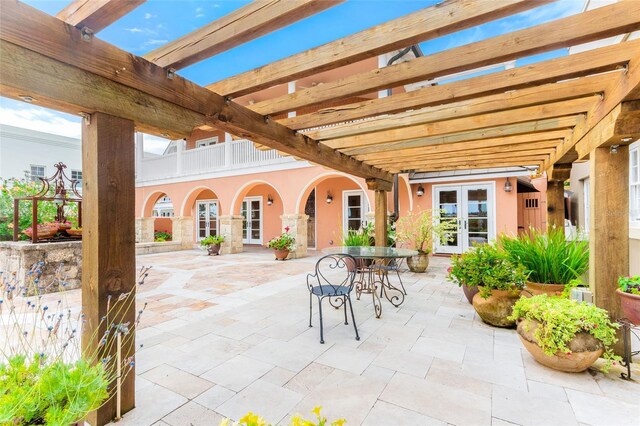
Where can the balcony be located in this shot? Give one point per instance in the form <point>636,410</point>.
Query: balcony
<point>224,159</point>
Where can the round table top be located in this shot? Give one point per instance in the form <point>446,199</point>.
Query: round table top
<point>371,252</point>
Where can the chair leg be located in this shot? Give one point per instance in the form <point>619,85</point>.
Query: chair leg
<point>401,285</point>
<point>353,318</point>
<point>310,308</point>
<point>344,302</point>
<point>321,326</point>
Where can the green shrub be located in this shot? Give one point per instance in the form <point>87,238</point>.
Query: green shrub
<point>630,284</point>
<point>487,267</point>
<point>284,242</point>
<point>548,258</point>
<point>165,235</point>
<point>561,319</point>
<point>212,240</point>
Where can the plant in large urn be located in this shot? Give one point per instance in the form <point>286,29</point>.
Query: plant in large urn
<point>418,229</point>
<point>283,244</point>
<point>629,293</point>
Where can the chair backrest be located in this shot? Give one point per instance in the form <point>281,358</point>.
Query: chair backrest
<point>335,271</point>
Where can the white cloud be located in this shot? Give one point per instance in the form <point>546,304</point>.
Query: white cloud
<point>155,42</point>
<point>215,5</point>
<point>199,12</point>
<point>14,113</point>
<point>134,30</point>
<point>149,16</point>
<point>200,15</point>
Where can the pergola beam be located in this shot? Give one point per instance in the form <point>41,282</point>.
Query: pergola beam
<point>427,167</point>
<point>550,71</point>
<point>96,14</point>
<point>435,21</point>
<point>252,21</point>
<point>25,26</point>
<point>618,18</point>
<point>482,105</point>
<point>528,128</point>
<point>473,158</point>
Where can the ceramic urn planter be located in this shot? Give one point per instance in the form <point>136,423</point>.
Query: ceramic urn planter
<point>630,306</point>
<point>585,349</point>
<point>496,309</point>
<point>534,289</point>
<point>418,263</point>
<point>470,292</point>
<point>281,254</point>
<point>213,249</point>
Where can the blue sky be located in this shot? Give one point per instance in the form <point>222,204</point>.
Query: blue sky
<point>159,21</point>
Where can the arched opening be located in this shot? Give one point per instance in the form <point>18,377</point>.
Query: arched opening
<point>261,206</point>
<point>159,206</point>
<point>334,203</point>
<point>204,206</point>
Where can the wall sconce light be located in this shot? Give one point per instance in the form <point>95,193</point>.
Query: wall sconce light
<point>269,200</point>
<point>420,191</point>
<point>614,149</point>
<point>507,186</point>
<point>329,197</point>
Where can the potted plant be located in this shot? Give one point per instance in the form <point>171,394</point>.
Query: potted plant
<point>629,293</point>
<point>76,231</point>
<point>282,244</point>
<point>461,274</point>
<point>549,258</point>
<point>499,282</point>
<point>564,334</point>
<point>212,243</point>
<point>417,230</point>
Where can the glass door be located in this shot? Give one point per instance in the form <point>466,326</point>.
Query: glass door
<point>475,225</point>
<point>354,210</point>
<point>252,220</point>
<point>448,200</point>
<point>207,219</point>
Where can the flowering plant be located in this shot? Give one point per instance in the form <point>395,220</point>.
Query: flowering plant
<point>630,284</point>
<point>44,376</point>
<point>561,319</point>
<point>417,229</point>
<point>284,242</point>
<point>161,236</point>
<point>251,419</point>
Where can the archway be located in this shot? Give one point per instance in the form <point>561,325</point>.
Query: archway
<point>328,211</point>
<point>159,206</point>
<point>262,206</point>
<point>203,205</point>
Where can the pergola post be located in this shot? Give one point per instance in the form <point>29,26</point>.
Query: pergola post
<point>381,188</point>
<point>609,226</point>
<point>108,243</point>
<point>555,195</point>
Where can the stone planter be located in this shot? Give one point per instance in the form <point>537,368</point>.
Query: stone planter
<point>418,263</point>
<point>630,306</point>
<point>496,308</point>
<point>534,289</point>
<point>585,349</point>
<point>469,292</point>
<point>281,254</point>
<point>213,249</point>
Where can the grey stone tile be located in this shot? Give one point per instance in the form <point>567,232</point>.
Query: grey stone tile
<point>345,358</point>
<point>214,397</point>
<point>265,399</point>
<point>309,378</point>
<point>237,373</point>
<point>439,349</point>
<point>599,410</point>
<point>412,363</point>
<point>177,381</point>
<point>152,405</point>
<point>385,414</point>
<point>527,409</point>
<point>286,354</point>
<point>193,414</point>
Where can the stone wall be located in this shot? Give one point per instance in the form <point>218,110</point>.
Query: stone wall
<point>65,257</point>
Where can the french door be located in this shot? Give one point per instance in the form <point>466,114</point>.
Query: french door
<point>472,208</point>
<point>207,219</point>
<point>354,212</point>
<point>252,220</point>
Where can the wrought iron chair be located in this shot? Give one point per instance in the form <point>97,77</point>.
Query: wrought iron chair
<point>333,278</point>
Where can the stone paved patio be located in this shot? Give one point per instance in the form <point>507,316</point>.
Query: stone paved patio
<point>226,335</point>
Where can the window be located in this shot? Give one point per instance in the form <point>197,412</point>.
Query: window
<point>531,203</point>
<point>36,172</point>
<point>634,185</point>
<point>206,142</point>
<point>76,175</point>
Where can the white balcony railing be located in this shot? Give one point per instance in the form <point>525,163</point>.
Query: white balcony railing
<point>223,157</point>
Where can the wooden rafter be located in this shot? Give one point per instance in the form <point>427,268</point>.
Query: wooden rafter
<point>593,25</point>
<point>528,128</point>
<point>457,125</point>
<point>567,67</point>
<point>465,165</point>
<point>25,26</point>
<point>252,21</point>
<point>522,158</point>
<point>96,14</point>
<point>504,101</point>
<point>435,21</point>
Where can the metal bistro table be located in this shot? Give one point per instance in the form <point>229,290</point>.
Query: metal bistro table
<point>372,275</point>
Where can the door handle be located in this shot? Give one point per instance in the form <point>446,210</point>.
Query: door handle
<point>465,225</point>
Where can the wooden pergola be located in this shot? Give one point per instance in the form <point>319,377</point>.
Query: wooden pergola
<point>547,114</point>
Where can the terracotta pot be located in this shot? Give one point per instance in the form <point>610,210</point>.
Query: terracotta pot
<point>585,349</point>
<point>213,249</point>
<point>418,263</point>
<point>74,232</point>
<point>496,308</point>
<point>281,254</point>
<point>534,289</point>
<point>630,306</point>
<point>469,291</point>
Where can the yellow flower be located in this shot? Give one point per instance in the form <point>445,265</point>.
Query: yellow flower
<point>316,411</point>
<point>224,422</point>
<point>339,422</point>
<point>297,420</point>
